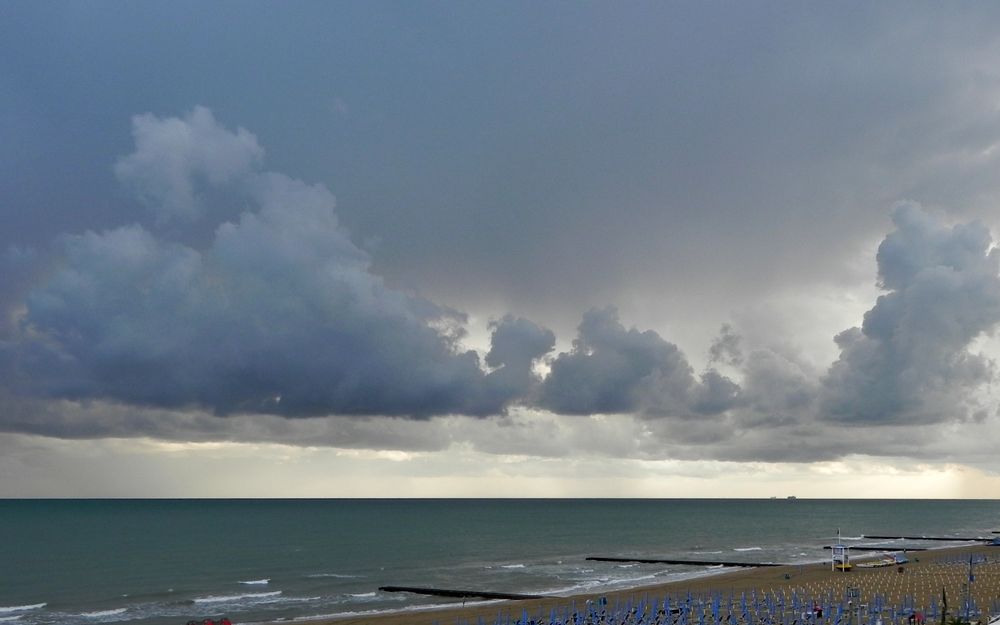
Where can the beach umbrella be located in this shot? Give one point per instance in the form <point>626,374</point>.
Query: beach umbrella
<point>944,604</point>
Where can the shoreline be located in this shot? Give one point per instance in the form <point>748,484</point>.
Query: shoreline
<point>923,567</point>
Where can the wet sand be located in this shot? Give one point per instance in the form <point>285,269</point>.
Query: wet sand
<point>922,578</point>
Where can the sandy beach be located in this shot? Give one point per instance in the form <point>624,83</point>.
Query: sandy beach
<point>922,578</point>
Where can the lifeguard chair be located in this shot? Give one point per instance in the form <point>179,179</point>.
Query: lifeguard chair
<point>840,556</point>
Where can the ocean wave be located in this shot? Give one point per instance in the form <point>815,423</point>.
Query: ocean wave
<point>617,583</point>
<point>294,599</point>
<point>10,619</point>
<point>256,581</point>
<point>249,595</point>
<point>412,608</point>
<point>337,575</point>
<point>21,608</point>
<point>748,549</point>
<point>512,566</point>
<point>363,595</point>
<point>707,553</point>
<point>581,587</point>
<point>601,583</point>
<point>103,613</point>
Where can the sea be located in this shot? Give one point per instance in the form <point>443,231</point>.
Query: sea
<point>165,562</point>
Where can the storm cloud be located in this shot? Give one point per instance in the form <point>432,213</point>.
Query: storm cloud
<point>612,369</point>
<point>909,362</point>
<point>278,314</point>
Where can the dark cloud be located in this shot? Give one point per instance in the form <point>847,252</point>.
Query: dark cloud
<point>97,419</point>
<point>726,348</point>
<point>909,362</point>
<point>777,390</point>
<point>516,344</point>
<point>278,314</point>
<point>616,370</point>
<point>715,394</point>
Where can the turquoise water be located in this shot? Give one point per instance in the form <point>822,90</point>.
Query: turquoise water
<point>158,562</point>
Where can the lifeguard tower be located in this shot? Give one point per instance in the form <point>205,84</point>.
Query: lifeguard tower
<point>841,556</point>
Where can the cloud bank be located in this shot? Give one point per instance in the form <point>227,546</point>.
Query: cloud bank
<point>280,314</point>
<point>614,370</point>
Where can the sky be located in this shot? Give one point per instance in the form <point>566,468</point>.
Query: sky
<point>484,249</point>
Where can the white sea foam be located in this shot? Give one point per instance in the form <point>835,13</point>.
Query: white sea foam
<point>21,608</point>
<point>632,580</point>
<point>337,575</point>
<point>103,613</point>
<point>256,581</point>
<point>512,566</point>
<point>9,619</point>
<point>250,595</point>
<point>705,553</point>
<point>601,583</point>
<point>413,608</point>
<point>363,595</point>
<point>290,599</point>
<point>581,587</point>
<point>748,549</point>
<point>616,583</point>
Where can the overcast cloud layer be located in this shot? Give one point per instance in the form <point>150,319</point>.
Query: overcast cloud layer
<point>679,232</point>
